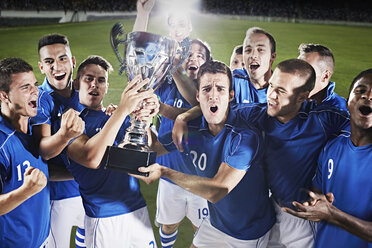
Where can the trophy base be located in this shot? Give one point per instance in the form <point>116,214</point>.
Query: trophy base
<point>127,160</point>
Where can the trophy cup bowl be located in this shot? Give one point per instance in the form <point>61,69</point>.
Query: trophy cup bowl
<point>151,56</point>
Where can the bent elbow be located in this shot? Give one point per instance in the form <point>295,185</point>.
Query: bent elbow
<point>217,195</point>
<point>90,160</point>
<point>92,163</point>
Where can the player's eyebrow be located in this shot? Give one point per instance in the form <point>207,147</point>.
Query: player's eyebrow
<point>207,86</point>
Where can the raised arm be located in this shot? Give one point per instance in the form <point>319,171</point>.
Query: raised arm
<point>185,86</point>
<point>212,189</point>
<point>89,151</point>
<point>52,145</point>
<point>143,12</point>
<point>321,208</point>
<point>34,181</point>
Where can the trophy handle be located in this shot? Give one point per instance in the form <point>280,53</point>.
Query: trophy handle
<point>116,31</point>
<point>184,51</point>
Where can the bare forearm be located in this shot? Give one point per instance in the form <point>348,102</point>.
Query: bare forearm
<point>11,200</point>
<point>356,226</point>
<point>155,144</point>
<point>170,112</point>
<point>190,114</point>
<point>140,24</point>
<point>89,152</point>
<point>202,186</point>
<point>185,86</point>
<point>51,146</point>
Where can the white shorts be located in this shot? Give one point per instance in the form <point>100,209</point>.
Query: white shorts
<point>64,214</point>
<point>290,231</point>
<point>209,236</point>
<point>131,230</point>
<point>173,203</point>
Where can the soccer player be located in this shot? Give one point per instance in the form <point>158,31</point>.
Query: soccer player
<point>116,213</point>
<point>295,131</point>
<point>176,96</point>
<point>228,161</point>
<point>322,60</point>
<point>173,202</point>
<point>236,60</point>
<point>55,97</point>
<point>343,174</point>
<point>24,199</point>
<point>259,52</point>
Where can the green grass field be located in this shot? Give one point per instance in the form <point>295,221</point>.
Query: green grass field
<point>352,48</point>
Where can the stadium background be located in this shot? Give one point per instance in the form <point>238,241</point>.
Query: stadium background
<point>222,24</point>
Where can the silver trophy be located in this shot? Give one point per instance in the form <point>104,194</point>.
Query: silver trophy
<point>151,56</point>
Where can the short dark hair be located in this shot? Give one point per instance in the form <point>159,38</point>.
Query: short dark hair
<point>51,39</point>
<point>257,30</point>
<point>238,49</point>
<point>95,60</point>
<point>359,76</point>
<point>10,66</point>
<point>323,52</point>
<point>302,69</point>
<point>214,67</point>
<point>206,47</point>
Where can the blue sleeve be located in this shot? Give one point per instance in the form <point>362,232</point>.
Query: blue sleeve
<point>44,109</point>
<point>163,91</point>
<point>235,81</point>
<point>318,179</point>
<point>4,169</point>
<point>335,120</point>
<point>243,150</point>
<point>251,113</point>
<point>167,141</point>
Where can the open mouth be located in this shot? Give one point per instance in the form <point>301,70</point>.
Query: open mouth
<point>193,68</point>
<point>254,66</point>
<point>365,110</point>
<point>213,109</point>
<point>32,104</point>
<point>59,76</point>
<point>93,93</point>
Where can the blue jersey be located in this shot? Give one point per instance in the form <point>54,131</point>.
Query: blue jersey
<point>28,224</point>
<point>245,213</point>
<point>105,193</point>
<point>332,99</point>
<point>170,95</point>
<point>244,91</point>
<point>51,106</point>
<point>345,170</point>
<point>292,148</point>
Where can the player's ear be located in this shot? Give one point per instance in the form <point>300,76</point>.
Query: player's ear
<point>303,96</point>
<point>3,96</point>
<point>197,96</point>
<point>76,84</point>
<point>231,95</point>
<point>326,75</point>
<point>41,67</point>
<point>272,58</point>
<point>73,62</point>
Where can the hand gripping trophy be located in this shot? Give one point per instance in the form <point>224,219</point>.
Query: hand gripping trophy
<point>151,56</point>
